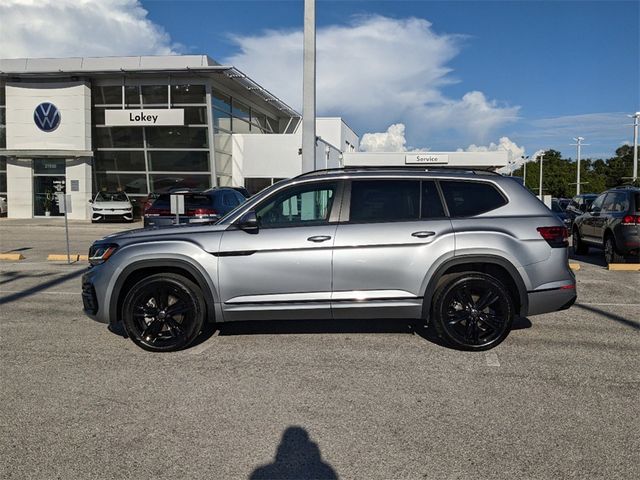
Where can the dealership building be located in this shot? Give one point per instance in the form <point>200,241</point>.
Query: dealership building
<point>141,125</point>
<point>154,124</point>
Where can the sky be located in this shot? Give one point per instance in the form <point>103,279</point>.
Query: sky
<point>405,75</point>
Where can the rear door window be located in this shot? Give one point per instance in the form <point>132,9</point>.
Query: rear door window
<point>467,199</point>
<point>616,202</point>
<point>394,200</point>
<point>384,200</point>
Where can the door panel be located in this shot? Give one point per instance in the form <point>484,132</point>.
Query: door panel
<point>379,268</point>
<point>283,270</point>
<point>379,265</point>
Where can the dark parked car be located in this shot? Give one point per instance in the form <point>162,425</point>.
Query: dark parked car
<point>612,223</point>
<point>578,205</point>
<point>559,212</point>
<point>243,191</point>
<point>205,207</point>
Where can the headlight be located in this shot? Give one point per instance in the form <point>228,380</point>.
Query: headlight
<point>100,253</point>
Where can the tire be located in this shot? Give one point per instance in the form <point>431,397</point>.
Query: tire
<point>460,318</point>
<point>147,316</point>
<point>579,247</point>
<point>611,254</point>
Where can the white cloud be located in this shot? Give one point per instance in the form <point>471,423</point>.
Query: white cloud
<point>61,28</point>
<point>376,71</point>
<point>392,140</point>
<point>505,144</point>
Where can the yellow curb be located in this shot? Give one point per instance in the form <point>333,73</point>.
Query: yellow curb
<point>55,257</point>
<point>574,266</point>
<point>628,267</point>
<point>11,256</point>
<point>83,258</point>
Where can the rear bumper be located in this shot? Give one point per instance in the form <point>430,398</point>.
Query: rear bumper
<point>551,300</point>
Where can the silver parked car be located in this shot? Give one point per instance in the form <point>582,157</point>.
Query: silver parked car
<point>466,251</point>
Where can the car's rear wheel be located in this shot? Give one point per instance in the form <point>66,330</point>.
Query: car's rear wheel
<point>473,311</point>
<point>164,312</point>
<point>611,254</point>
<point>579,247</point>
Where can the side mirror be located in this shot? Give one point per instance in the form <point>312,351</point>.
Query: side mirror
<point>583,207</point>
<point>90,201</point>
<point>249,222</point>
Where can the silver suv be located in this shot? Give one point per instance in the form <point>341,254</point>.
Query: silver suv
<point>464,251</point>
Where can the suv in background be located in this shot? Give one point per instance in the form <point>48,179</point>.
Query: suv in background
<point>465,251</point>
<point>612,223</point>
<point>205,207</point>
<point>578,205</point>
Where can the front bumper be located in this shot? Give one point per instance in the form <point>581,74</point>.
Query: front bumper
<point>92,301</point>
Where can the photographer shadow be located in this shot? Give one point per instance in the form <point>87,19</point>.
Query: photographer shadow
<point>297,457</point>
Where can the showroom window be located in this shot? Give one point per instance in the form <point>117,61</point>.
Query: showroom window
<point>142,160</point>
<point>232,115</point>
<point>254,185</point>
<point>3,177</point>
<point>3,118</point>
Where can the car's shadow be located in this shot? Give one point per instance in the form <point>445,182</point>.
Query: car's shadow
<point>292,327</point>
<point>594,257</point>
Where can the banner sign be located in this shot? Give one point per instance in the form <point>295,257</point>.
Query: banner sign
<point>426,159</point>
<point>148,117</point>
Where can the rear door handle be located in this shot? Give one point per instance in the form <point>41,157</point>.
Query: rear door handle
<point>423,234</point>
<point>319,238</point>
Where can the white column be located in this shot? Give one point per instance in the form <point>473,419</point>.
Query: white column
<point>79,170</point>
<point>309,88</point>
<point>19,188</point>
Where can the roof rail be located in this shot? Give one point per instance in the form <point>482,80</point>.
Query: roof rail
<point>420,168</point>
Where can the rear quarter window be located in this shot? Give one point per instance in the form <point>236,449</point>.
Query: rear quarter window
<point>466,199</point>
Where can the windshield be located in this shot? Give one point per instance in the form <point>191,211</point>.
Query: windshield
<point>112,197</point>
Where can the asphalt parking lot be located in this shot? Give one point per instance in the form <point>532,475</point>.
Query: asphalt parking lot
<point>558,399</point>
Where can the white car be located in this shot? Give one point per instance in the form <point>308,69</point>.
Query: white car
<point>3,206</point>
<point>111,206</point>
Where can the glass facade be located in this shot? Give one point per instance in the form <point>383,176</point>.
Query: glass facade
<point>143,160</point>
<point>3,143</point>
<point>231,115</point>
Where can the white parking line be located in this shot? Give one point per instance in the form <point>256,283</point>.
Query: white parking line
<point>610,304</point>
<point>201,348</point>
<point>38,293</point>
<point>492,359</point>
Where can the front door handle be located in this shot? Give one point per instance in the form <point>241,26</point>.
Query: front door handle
<point>319,238</point>
<point>423,234</point>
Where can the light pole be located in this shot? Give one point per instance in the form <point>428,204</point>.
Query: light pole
<point>578,146</point>
<point>540,188</point>
<point>524,170</point>
<point>635,145</point>
<point>309,88</point>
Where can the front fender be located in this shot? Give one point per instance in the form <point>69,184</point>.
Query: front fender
<point>171,254</point>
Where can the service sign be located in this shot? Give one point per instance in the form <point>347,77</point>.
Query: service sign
<point>148,117</point>
<point>426,159</point>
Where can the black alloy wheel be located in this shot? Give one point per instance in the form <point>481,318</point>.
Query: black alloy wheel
<point>473,311</point>
<point>164,312</point>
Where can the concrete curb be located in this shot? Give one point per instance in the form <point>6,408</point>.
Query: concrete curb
<point>626,267</point>
<point>11,256</point>
<point>62,257</point>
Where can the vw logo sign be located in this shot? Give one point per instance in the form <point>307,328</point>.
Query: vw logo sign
<point>47,117</point>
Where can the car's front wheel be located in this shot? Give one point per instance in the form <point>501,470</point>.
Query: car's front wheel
<point>164,312</point>
<point>473,311</point>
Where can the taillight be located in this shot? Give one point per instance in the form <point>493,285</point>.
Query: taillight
<point>556,237</point>
<point>631,220</point>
